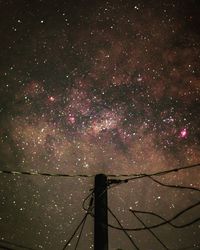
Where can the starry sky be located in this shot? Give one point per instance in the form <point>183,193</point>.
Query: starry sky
<point>90,87</point>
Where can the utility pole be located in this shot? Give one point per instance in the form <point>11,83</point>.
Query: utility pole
<point>100,213</point>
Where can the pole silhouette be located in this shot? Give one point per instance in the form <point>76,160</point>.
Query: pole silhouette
<point>100,213</point>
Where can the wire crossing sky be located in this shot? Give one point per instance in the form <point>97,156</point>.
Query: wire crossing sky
<point>90,87</point>
<point>133,176</point>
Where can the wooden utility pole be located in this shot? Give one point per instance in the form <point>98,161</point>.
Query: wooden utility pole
<point>100,213</point>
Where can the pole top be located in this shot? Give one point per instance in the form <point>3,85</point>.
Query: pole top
<point>101,174</point>
<point>100,177</point>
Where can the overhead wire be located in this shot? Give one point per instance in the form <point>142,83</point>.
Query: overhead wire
<point>90,194</point>
<point>80,234</point>
<point>144,175</point>
<point>166,221</point>
<point>75,231</point>
<point>35,173</point>
<point>129,237</point>
<point>81,224</point>
<point>85,200</point>
<point>173,186</point>
<point>117,182</point>
<point>132,176</point>
<point>157,181</point>
<point>6,242</point>
<point>163,223</point>
<point>109,186</point>
<point>151,232</point>
<point>6,248</point>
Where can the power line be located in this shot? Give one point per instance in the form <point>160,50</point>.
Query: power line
<point>13,245</point>
<point>155,236</point>
<point>111,181</point>
<point>144,175</point>
<point>86,198</point>
<point>117,182</point>
<point>82,222</point>
<point>91,194</point>
<point>74,233</point>
<point>133,176</point>
<point>91,208</point>
<point>173,218</point>
<point>81,231</point>
<point>6,248</point>
<point>35,173</point>
<point>165,220</point>
<point>173,186</point>
<point>162,223</point>
<point>129,237</point>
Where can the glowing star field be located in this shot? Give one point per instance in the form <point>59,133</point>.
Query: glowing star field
<point>90,87</point>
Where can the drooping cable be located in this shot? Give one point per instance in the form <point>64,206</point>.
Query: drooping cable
<point>165,222</point>
<point>173,186</point>
<point>79,236</point>
<point>6,248</point>
<point>75,231</point>
<point>35,173</point>
<point>131,240</point>
<point>86,198</point>
<point>81,224</point>
<point>144,175</point>
<point>151,232</point>
<point>13,245</point>
<point>81,231</point>
<point>132,176</point>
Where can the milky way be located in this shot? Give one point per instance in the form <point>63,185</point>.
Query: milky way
<point>93,87</point>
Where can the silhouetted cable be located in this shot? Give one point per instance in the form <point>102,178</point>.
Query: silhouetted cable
<point>79,225</point>
<point>86,198</point>
<point>129,237</point>
<point>6,248</point>
<point>155,180</point>
<point>44,174</point>
<point>13,245</point>
<point>83,224</point>
<point>144,175</point>
<point>134,176</point>
<point>165,220</point>
<point>163,223</point>
<point>74,233</point>
<point>91,194</point>
<point>173,186</point>
<point>151,232</point>
<point>79,236</point>
<point>91,207</point>
<point>159,224</point>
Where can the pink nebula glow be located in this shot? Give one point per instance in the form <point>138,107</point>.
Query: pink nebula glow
<point>183,133</point>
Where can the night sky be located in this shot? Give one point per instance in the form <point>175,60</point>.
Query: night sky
<point>91,87</point>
